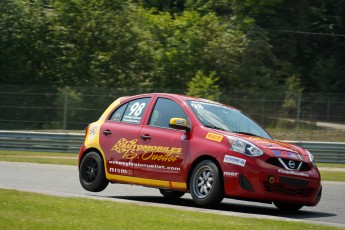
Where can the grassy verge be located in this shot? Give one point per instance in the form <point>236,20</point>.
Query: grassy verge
<point>330,165</point>
<point>332,176</point>
<point>21,210</point>
<point>38,157</point>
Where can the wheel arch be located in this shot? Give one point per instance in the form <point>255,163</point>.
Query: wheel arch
<point>197,161</point>
<point>91,150</point>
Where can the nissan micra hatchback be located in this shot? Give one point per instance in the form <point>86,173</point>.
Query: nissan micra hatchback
<point>181,144</point>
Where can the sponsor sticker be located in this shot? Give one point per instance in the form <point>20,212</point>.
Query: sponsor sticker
<point>277,153</point>
<point>231,174</point>
<point>131,150</point>
<point>214,137</point>
<point>234,160</point>
<point>292,173</point>
<point>280,153</point>
<point>291,155</point>
<point>137,165</point>
<point>92,132</point>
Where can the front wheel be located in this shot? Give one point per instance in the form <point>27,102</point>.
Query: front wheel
<point>92,174</point>
<point>171,194</point>
<point>206,184</point>
<point>288,207</point>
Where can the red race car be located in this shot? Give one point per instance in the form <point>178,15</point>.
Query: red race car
<point>182,144</point>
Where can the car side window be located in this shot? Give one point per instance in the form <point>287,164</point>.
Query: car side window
<point>164,110</point>
<point>118,114</point>
<point>131,112</point>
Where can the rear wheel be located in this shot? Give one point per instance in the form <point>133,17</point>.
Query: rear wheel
<point>206,184</point>
<point>171,194</point>
<point>92,174</point>
<point>288,207</point>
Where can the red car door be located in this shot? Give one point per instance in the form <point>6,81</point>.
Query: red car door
<point>162,149</point>
<point>119,136</point>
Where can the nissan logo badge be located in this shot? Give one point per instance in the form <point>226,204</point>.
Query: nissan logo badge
<point>292,164</point>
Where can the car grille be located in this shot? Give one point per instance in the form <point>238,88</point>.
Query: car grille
<point>278,162</point>
<point>293,181</point>
<point>288,190</point>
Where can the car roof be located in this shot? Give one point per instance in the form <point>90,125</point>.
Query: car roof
<point>181,98</point>
<point>178,96</point>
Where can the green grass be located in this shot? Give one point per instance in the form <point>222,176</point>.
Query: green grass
<point>21,210</point>
<point>331,165</point>
<point>38,157</point>
<point>332,176</point>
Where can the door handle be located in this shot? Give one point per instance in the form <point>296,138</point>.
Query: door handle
<point>145,137</point>
<point>107,132</point>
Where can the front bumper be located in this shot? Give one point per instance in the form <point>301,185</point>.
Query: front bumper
<point>260,181</point>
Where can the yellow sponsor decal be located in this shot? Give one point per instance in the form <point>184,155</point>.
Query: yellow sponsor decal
<point>131,150</point>
<point>214,137</point>
<point>148,182</point>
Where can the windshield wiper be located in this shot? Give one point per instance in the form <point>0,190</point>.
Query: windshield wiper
<point>246,133</point>
<point>215,127</point>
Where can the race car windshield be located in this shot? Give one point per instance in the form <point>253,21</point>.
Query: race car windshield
<point>218,116</point>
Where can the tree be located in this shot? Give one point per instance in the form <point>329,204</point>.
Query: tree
<point>204,86</point>
<point>103,44</point>
<point>294,89</point>
<point>24,42</point>
<point>305,35</point>
<point>190,42</point>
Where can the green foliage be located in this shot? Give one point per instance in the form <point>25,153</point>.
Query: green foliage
<point>24,41</point>
<point>305,35</point>
<point>190,42</point>
<point>159,45</point>
<point>165,5</point>
<point>103,44</point>
<point>326,74</point>
<point>204,86</point>
<point>162,43</point>
<point>294,89</point>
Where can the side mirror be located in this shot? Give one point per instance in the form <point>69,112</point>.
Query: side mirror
<point>179,123</point>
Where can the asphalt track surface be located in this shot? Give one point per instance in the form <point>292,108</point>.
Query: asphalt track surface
<point>60,180</point>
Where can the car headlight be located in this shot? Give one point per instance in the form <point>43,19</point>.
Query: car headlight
<point>245,147</point>
<point>311,157</point>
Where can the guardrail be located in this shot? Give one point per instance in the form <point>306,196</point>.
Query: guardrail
<point>41,141</point>
<point>324,152</point>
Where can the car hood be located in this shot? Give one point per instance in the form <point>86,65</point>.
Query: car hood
<point>274,148</point>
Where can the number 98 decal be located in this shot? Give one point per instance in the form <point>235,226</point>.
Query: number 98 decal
<point>134,112</point>
<point>136,109</point>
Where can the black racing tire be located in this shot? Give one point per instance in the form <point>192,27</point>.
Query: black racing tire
<point>288,207</point>
<point>171,194</point>
<point>92,174</point>
<point>206,184</point>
